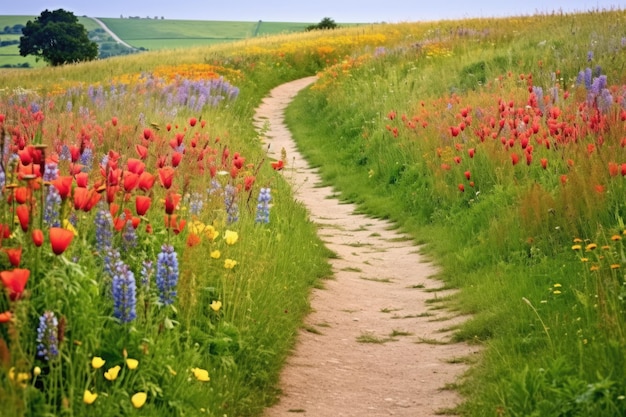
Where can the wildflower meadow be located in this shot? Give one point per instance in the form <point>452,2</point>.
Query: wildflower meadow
<point>154,262</point>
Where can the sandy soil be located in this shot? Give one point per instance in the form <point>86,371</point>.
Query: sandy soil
<point>375,344</point>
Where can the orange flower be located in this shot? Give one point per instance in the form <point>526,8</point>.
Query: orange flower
<point>60,239</point>
<point>171,201</point>
<point>63,184</point>
<point>278,165</point>
<point>6,317</point>
<point>15,281</point>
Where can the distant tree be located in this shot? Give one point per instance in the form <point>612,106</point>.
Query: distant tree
<point>325,23</point>
<point>57,38</point>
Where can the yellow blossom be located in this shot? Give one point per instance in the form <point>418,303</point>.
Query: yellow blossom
<point>20,377</point>
<point>606,247</point>
<point>594,268</point>
<point>216,254</point>
<point>89,397</point>
<point>557,285</point>
<point>69,226</point>
<point>578,240</point>
<point>216,305</point>
<point>615,266</point>
<point>229,263</point>
<point>36,371</point>
<point>139,399</point>
<point>556,292</point>
<point>201,374</point>
<point>231,237</point>
<point>97,362</point>
<point>112,373</point>
<point>616,237</point>
<point>591,246</point>
<point>584,259</point>
<point>132,363</point>
<point>576,247</point>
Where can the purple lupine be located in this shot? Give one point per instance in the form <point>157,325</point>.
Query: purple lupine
<point>167,274</point>
<point>263,206</point>
<point>52,207</point>
<point>124,291</point>
<point>47,336</point>
<point>129,236</point>
<point>232,209</point>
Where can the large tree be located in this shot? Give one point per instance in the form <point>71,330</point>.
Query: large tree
<point>57,38</point>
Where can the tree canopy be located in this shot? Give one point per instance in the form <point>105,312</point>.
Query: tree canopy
<point>325,23</point>
<point>58,38</point>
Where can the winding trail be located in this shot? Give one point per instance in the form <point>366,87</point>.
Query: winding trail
<point>376,343</point>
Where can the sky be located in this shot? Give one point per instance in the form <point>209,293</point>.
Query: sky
<point>310,11</point>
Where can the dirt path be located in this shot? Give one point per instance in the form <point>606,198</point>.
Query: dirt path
<point>375,344</point>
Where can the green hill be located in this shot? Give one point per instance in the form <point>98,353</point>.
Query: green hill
<point>151,33</point>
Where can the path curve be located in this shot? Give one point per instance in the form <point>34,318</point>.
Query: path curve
<point>111,33</point>
<point>381,290</point>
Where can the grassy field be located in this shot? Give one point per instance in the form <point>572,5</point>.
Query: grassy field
<point>499,144</point>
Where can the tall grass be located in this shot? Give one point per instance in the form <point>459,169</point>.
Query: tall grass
<point>480,138</point>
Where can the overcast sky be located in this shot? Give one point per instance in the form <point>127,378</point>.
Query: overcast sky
<point>311,11</point>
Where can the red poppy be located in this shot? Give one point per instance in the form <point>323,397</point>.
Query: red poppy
<point>454,131</point>
<point>142,204</point>
<point>166,176</point>
<point>461,188</point>
<point>176,158</point>
<point>147,134</point>
<point>5,231</point>
<point>15,281</point>
<point>15,255</point>
<point>249,182</point>
<point>468,175</point>
<point>193,121</point>
<point>623,170</point>
<point>544,163</point>
<point>22,194</point>
<point>193,240</point>
<point>135,166</point>
<point>63,184</point>
<point>142,151</point>
<point>23,216</point>
<point>37,237</point>
<point>82,179</point>
<point>6,316</point>
<point>514,158</point>
<point>613,169</point>
<point>471,152</point>
<point>130,181</point>
<point>278,165</point>
<point>146,181</point>
<point>171,201</point>
<point>74,153</point>
<point>171,222</point>
<point>114,121</point>
<point>60,239</point>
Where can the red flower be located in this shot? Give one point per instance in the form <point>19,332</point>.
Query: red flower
<point>60,239</point>
<point>136,166</point>
<point>15,281</point>
<point>278,165</point>
<point>147,134</point>
<point>142,151</point>
<point>142,204</point>
<point>114,121</point>
<point>454,131</point>
<point>130,181</point>
<point>623,170</point>
<point>146,181</point>
<point>514,158</point>
<point>85,199</point>
<point>563,179</point>
<point>471,152</point>
<point>37,237</point>
<point>544,163</point>
<point>176,158</point>
<point>166,176</point>
<point>461,188</point>
<point>23,216</point>
<point>63,184</point>
<point>82,179</point>
<point>171,201</point>
<point>15,255</point>
<point>171,222</point>
<point>193,121</point>
<point>613,169</point>
<point>21,195</point>
<point>467,175</point>
<point>457,159</point>
<point>248,182</point>
<point>193,240</point>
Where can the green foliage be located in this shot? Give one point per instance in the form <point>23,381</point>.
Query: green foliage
<point>57,38</point>
<point>324,24</point>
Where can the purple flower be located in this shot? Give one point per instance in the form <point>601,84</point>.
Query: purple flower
<point>263,206</point>
<point>124,291</point>
<point>47,336</point>
<point>167,274</point>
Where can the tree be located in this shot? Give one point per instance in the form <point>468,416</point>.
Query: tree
<point>57,38</point>
<point>325,23</point>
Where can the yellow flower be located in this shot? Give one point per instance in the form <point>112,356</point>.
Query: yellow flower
<point>591,246</point>
<point>229,263</point>
<point>210,232</point>
<point>576,247</point>
<point>20,377</point>
<point>578,240</point>
<point>97,362</point>
<point>69,226</point>
<point>557,285</point>
<point>616,237</point>
<point>584,259</point>
<point>216,305</point>
<point>231,237</point>
<point>556,292</point>
<point>594,268</point>
<point>606,247</point>
<point>615,266</point>
<point>36,371</point>
<point>139,399</point>
<point>201,374</point>
<point>216,254</point>
<point>89,397</point>
<point>132,363</point>
<point>112,373</point>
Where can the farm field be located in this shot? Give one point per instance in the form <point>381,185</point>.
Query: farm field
<point>154,261</point>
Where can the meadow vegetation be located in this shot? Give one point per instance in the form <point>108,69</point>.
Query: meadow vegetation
<point>155,263</point>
